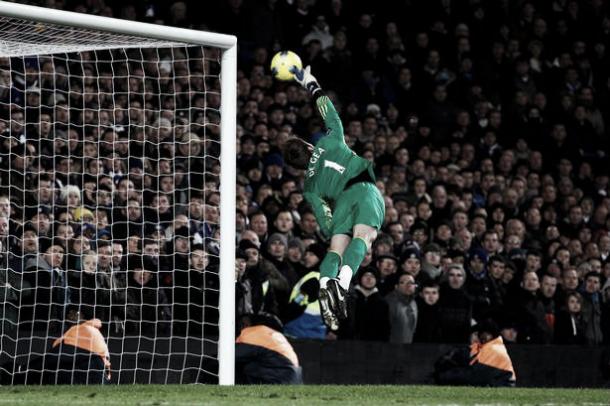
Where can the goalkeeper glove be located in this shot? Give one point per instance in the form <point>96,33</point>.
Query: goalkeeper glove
<point>306,79</point>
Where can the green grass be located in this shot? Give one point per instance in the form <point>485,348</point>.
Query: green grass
<point>295,395</point>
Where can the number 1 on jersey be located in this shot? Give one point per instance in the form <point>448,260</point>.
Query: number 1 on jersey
<point>334,165</point>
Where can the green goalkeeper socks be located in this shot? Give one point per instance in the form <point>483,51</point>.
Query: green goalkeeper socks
<point>354,254</point>
<point>330,265</point>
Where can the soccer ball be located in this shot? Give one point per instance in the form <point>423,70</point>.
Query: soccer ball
<point>281,64</point>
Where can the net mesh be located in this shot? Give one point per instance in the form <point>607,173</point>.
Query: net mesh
<point>22,37</point>
<point>108,206</point>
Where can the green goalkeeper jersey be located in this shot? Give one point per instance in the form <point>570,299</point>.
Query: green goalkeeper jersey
<point>332,164</point>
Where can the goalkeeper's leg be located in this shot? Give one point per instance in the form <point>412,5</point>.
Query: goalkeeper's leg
<point>329,267</point>
<point>360,211</point>
<point>364,235</point>
<point>368,212</point>
<point>333,293</point>
<point>330,301</point>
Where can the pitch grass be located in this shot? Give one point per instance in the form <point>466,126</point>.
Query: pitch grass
<point>153,395</point>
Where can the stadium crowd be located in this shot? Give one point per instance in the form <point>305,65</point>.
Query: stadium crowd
<point>486,122</point>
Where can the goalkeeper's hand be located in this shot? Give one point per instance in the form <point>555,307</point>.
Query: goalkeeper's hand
<point>325,233</point>
<point>305,78</point>
<point>326,223</point>
<point>326,229</point>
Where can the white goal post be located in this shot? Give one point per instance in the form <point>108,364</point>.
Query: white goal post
<point>184,37</point>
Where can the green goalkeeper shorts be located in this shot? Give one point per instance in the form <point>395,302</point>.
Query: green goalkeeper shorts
<point>361,203</point>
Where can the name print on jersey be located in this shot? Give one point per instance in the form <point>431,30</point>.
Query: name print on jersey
<point>313,160</point>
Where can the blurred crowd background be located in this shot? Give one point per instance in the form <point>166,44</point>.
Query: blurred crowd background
<point>486,121</point>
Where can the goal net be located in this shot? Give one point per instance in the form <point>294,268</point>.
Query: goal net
<point>112,135</point>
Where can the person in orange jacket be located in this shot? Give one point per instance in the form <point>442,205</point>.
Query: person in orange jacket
<point>263,355</point>
<point>488,363</point>
<point>79,356</point>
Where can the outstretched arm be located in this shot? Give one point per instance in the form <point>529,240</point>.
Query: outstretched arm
<point>323,103</point>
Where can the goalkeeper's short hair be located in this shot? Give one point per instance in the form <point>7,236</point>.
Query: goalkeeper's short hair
<point>296,153</point>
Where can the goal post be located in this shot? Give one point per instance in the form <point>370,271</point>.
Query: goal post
<point>29,31</point>
<point>226,341</point>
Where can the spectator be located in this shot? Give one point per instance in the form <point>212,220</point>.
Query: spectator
<point>569,283</point>
<point>264,279</point>
<point>27,248</point>
<point>151,248</point>
<point>455,307</point>
<point>591,308</point>
<point>104,250</point>
<point>314,254</point>
<point>146,310</point>
<point>295,256</point>
<point>258,224</point>
<point>302,315</point>
<point>368,317</point>
<point>90,289</point>
<point>14,290</point>
<point>431,264</point>
<point>548,289</point>
<point>203,292</point>
<point>428,329</point>
<point>497,268</point>
<point>530,314</point>
<point>243,292</point>
<point>48,279</point>
<point>569,325</point>
<point>308,226</point>
<point>386,265</point>
<point>107,254</point>
<point>478,284</point>
<point>117,259</point>
<point>410,261</point>
<point>403,310</point>
<point>180,247</point>
<point>277,247</point>
<point>188,283</point>
<point>284,223</point>
<point>491,242</point>
<point>533,261</point>
<point>77,246</point>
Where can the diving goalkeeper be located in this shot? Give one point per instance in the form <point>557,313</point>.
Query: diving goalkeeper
<point>340,186</point>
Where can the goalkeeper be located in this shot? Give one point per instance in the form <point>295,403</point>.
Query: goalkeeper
<point>340,186</point>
